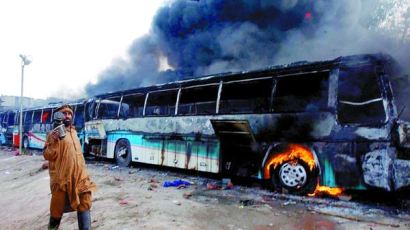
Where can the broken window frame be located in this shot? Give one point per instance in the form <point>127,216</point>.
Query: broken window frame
<point>90,109</point>
<point>36,116</point>
<point>28,119</point>
<point>326,106</point>
<point>139,108</point>
<point>49,116</point>
<point>108,102</point>
<point>79,114</point>
<point>366,102</point>
<point>195,103</point>
<point>223,103</point>
<point>158,109</point>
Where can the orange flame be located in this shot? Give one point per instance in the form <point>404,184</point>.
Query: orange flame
<point>293,153</point>
<point>323,190</point>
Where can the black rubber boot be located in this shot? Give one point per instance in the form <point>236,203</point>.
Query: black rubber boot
<point>84,220</point>
<point>54,223</point>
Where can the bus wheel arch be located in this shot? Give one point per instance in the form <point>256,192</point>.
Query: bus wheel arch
<point>122,152</point>
<point>293,168</point>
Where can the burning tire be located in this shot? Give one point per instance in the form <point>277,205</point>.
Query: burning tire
<point>295,177</point>
<point>123,153</point>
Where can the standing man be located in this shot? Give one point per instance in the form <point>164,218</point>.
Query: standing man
<point>70,184</point>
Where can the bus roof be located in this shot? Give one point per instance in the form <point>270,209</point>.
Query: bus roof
<point>278,70</point>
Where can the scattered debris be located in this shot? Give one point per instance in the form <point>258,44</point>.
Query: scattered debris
<point>176,183</point>
<point>176,202</point>
<point>153,180</point>
<point>187,195</point>
<point>357,219</point>
<point>288,203</point>
<point>247,202</point>
<point>211,186</point>
<point>152,186</point>
<point>114,167</point>
<point>216,186</point>
<point>123,202</point>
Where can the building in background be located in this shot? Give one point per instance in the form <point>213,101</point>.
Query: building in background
<point>13,102</point>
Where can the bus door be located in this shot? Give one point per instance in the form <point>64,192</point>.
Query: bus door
<point>236,140</point>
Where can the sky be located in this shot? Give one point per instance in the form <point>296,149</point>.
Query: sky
<point>70,42</point>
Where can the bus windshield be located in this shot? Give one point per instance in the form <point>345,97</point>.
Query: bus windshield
<point>359,96</point>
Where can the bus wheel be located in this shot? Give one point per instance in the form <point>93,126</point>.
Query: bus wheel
<point>25,143</point>
<point>295,177</point>
<point>123,153</point>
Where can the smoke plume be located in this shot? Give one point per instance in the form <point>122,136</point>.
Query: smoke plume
<point>194,38</point>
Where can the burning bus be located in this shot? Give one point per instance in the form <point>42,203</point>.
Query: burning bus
<point>333,123</point>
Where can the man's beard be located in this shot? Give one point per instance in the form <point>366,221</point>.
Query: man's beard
<point>67,122</point>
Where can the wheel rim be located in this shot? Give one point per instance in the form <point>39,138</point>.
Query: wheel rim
<point>122,152</point>
<point>292,175</point>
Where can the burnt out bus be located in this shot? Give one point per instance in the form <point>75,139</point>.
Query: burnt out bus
<point>37,122</point>
<point>333,123</point>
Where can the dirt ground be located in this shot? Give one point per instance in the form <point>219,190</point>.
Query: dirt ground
<point>135,198</point>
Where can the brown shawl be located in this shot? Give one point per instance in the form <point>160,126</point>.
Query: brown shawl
<point>67,166</point>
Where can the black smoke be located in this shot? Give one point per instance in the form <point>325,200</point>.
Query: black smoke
<point>211,36</point>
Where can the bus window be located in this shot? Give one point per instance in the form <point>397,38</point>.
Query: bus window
<point>28,115</point>
<point>36,116</point>
<point>90,110</point>
<point>108,108</point>
<point>46,116</point>
<point>359,96</point>
<point>161,103</point>
<point>246,96</point>
<point>79,116</point>
<point>11,116</point>
<point>198,100</point>
<point>132,105</point>
<point>307,92</point>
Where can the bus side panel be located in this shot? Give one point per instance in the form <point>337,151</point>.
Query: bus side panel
<point>38,135</point>
<point>191,156</point>
<point>208,156</point>
<point>112,139</point>
<point>148,150</point>
<point>177,152</point>
<point>36,140</point>
<point>339,165</point>
<point>135,140</point>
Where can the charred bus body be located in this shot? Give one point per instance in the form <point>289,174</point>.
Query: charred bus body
<point>332,122</point>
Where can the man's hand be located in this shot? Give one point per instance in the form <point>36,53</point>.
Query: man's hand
<point>55,135</point>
